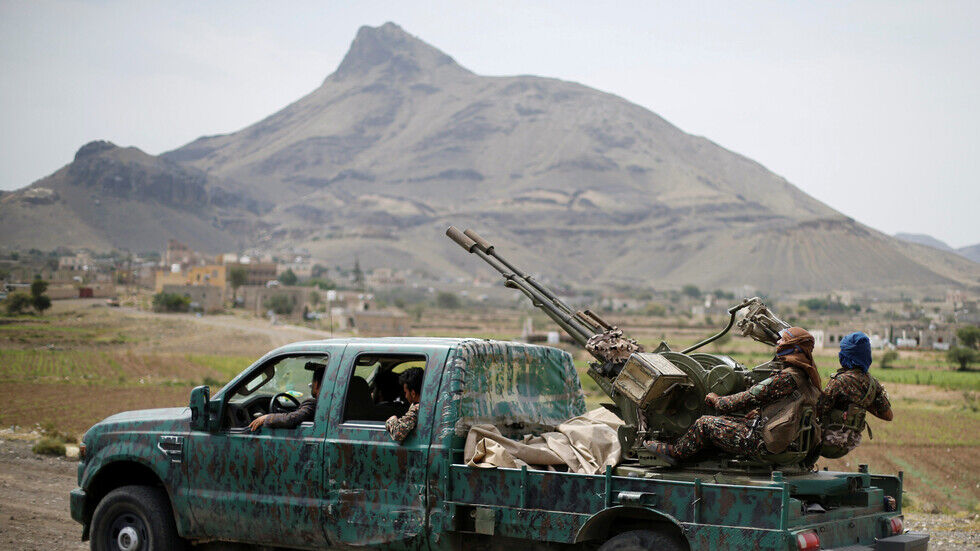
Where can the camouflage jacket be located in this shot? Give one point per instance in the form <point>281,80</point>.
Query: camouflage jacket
<point>761,394</point>
<point>400,427</point>
<point>850,386</point>
<point>292,419</point>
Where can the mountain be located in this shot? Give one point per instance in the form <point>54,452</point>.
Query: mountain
<point>923,239</point>
<point>114,197</point>
<point>401,141</point>
<point>972,252</point>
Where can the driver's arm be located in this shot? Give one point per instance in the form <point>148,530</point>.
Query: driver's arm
<point>286,420</point>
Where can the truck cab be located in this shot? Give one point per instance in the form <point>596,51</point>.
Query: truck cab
<point>159,479</point>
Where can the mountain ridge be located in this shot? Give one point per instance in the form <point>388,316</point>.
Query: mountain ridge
<point>401,141</point>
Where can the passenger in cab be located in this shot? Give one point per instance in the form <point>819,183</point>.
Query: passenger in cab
<point>850,393</point>
<point>772,408</point>
<point>400,427</point>
<point>303,413</point>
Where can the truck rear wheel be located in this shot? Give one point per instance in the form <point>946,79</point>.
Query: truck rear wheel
<point>641,540</point>
<point>134,518</point>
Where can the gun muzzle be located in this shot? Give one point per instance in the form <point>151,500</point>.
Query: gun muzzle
<point>482,243</point>
<point>461,239</point>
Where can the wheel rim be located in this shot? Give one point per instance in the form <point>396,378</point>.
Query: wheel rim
<point>127,533</point>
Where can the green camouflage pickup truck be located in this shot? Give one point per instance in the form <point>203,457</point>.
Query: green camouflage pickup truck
<point>161,479</point>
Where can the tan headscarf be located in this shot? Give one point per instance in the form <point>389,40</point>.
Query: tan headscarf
<point>795,347</point>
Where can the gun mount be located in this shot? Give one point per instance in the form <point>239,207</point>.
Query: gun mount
<point>658,394</point>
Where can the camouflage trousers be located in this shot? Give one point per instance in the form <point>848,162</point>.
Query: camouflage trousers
<point>731,434</point>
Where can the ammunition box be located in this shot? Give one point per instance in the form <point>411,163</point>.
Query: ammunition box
<point>647,377</point>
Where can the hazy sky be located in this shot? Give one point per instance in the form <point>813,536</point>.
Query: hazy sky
<point>867,106</point>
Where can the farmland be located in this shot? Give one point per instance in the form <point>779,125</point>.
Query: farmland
<point>83,361</point>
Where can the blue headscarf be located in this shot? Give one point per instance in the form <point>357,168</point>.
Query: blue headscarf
<point>855,351</point>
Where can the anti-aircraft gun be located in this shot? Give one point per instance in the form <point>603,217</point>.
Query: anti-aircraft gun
<point>658,394</point>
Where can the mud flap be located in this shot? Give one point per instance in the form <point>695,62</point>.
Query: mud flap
<point>909,541</point>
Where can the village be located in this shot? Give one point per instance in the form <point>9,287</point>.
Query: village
<point>293,287</point>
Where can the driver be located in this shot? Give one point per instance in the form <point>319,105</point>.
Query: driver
<point>303,413</point>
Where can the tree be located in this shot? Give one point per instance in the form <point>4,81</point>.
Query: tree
<point>288,277</point>
<point>969,336</point>
<point>39,300</point>
<point>17,303</point>
<point>319,270</point>
<point>315,299</point>
<point>38,287</point>
<point>691,291</point>
<point>962,356</point>
<point>41,303</point>
<point>237,276</point>
<point>447,300</point>
<point>281,304</point>
<point>888,359</point>
<point>358,275</point>
<point>171,302</point>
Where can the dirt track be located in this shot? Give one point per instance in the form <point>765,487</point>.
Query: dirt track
<point>34,507</point>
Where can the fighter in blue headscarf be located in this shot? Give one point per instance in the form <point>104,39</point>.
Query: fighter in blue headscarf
<point>849,394</point>
<point>855,351</point>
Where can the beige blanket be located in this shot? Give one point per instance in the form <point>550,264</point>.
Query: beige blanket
<point>586,444</point>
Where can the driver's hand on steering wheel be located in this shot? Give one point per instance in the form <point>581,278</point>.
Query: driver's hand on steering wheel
<point>258,422</point>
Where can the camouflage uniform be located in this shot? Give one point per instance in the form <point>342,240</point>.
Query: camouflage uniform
<point>851,386</point>
<point>399,427</point>
<point>292,419</point>
<point>735,435</point>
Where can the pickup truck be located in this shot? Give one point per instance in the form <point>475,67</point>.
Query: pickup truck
<point>165,478</point>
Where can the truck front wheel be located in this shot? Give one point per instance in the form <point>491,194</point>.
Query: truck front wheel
<point>641,540</point>
<point>134,518</point>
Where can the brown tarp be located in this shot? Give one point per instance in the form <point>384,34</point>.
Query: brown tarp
<point>586,444</point>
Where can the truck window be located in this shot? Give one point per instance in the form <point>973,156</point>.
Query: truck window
<point>373,392</point>
<point>280,375</point>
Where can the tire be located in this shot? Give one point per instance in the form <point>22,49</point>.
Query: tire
<point>134,518</point>
<point>642,540</point>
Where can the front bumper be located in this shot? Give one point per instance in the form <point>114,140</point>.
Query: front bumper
<point>909,541</point>
<point>76,503</point>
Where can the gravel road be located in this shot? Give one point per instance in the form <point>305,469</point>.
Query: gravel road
<point>34,507</point>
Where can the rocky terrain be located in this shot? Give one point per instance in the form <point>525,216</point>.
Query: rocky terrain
<point>401,141</point>
<point>114,197</point>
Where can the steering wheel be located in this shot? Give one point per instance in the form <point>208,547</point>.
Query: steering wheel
<point>275,406</point>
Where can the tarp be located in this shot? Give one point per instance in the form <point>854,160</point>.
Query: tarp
<point>585,444</point>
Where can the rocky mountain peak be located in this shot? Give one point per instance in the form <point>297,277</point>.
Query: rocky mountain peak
<point>94,148</point>
<point>393,52</point>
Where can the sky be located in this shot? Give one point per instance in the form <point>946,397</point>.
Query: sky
<point>871,107</point>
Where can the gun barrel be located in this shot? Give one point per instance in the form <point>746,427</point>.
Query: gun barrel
<point>577,326</point>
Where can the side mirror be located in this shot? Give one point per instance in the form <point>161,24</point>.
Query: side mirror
<point>200,396</point>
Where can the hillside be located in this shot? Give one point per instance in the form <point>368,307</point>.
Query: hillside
<point>401,141</point>
<point>113,197</point>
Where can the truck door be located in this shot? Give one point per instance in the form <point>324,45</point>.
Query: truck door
<point>377,485</point>
<point>264,486</point>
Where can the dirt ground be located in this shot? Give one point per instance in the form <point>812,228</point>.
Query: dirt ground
<point>34,507</point>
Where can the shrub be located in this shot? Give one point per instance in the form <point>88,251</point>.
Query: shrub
<point>171,302</point>
<point>49,446</point>
<point>281,304</point>
<point>888,359</point>
<point>18,302</point>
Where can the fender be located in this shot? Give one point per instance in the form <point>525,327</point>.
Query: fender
<point>599,524</point>
<point>150,458</point>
